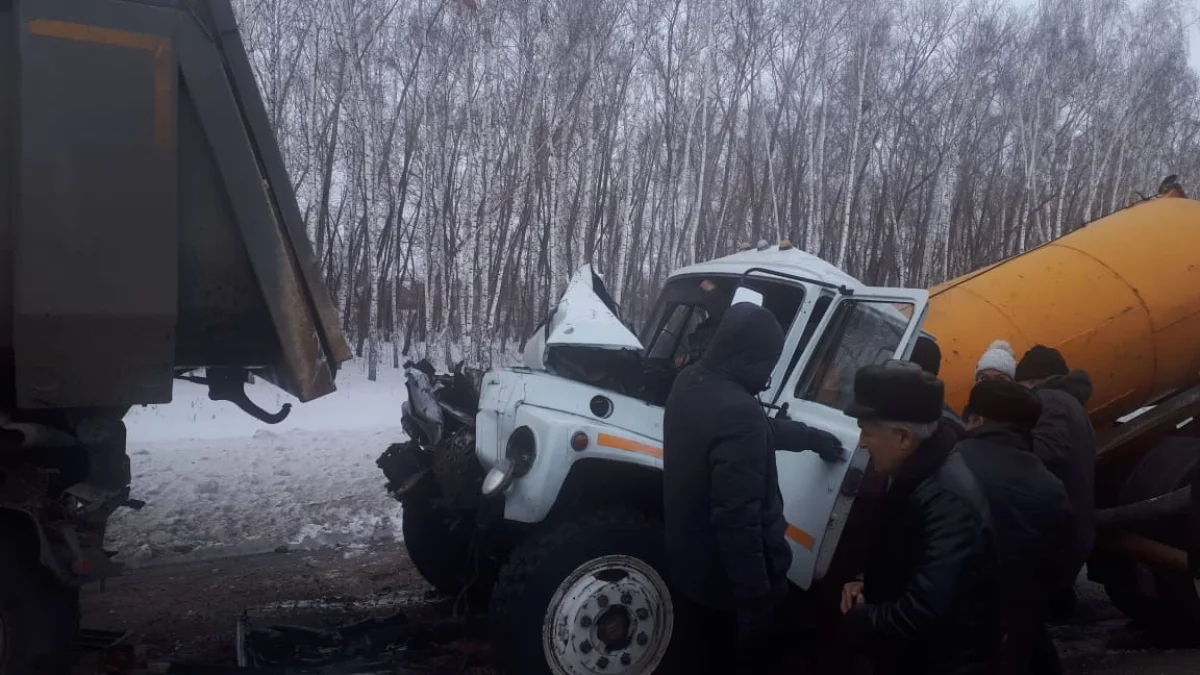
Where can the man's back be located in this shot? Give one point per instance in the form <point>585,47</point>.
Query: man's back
<point>1064,440</point>
<point>1029,507</point>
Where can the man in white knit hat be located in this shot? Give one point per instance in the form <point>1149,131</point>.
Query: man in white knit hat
<point>997,363</point>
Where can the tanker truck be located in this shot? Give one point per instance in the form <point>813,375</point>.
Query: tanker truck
<point>150,232</point>
<point>536,488</point>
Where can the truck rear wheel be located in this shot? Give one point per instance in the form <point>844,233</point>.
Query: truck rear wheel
<point>585,596</point>
<point>39,618</point>
<point>1166,603</point>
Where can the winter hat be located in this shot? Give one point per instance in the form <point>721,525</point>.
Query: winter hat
<point>928,355</point>
<point>999,357</point>
<point>1041,362</point>
<point>1005,402</point>
<point>896,391</point>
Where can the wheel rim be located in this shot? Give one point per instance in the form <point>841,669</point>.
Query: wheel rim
<point>611,615</point>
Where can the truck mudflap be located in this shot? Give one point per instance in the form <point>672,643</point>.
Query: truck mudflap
<point>178,223</point>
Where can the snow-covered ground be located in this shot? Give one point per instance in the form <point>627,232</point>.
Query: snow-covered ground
<point>218,482</point>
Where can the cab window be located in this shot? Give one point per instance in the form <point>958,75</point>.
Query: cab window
<point>861,333</point>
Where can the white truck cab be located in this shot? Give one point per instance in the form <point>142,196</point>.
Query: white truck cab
<point>569,448</point>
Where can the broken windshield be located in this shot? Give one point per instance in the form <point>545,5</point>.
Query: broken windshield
<point>689,309</point>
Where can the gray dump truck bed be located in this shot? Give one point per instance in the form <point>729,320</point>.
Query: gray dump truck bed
<point>150,224</point>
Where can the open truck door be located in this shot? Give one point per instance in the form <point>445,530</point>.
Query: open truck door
<point>868,326</point>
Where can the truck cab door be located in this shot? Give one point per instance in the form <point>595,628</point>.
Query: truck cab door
<point>868,326</point>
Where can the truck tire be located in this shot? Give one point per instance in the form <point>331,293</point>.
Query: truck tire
<point>585,595</point>
<point>440,547</point>
<point>39,618</point>
<point>1166,604</point>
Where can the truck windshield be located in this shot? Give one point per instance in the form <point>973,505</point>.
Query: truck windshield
<point>689,308</point>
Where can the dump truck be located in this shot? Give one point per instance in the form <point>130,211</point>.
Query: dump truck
<point>150,233</point>
<point>536,488</point>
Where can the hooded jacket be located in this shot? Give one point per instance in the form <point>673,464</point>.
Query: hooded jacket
<point>1063,439</point>
<point>723,510</point>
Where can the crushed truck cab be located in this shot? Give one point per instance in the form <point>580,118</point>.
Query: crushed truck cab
<point>550,484</point>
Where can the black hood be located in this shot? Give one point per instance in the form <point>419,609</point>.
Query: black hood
<point>746,346</point>
<point>1077,383</point>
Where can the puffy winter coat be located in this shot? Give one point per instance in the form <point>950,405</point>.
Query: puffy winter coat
<point>723,509</point>
<point>931,580</point>
<point>1065,442</point>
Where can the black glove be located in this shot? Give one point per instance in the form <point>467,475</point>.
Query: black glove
<point>826,445</point>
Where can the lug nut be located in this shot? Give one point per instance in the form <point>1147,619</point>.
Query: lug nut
<point>642,639</point>
<point>602,601</point>
<point>586,622</point>
<point>643,613</point>
<point>626,659</point>
<point>626,599</point>
<point>602,663</point>
<point>585,647</point>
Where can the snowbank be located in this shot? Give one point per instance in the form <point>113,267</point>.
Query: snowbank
<point>218,482</point>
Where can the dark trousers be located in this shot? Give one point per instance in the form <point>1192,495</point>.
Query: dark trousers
<point>711,643</point>
<point>1030,649</point>
<point>1043,655</point>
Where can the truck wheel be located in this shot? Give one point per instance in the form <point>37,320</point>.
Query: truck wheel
<point>585,596</point>
<point>1167,604</point>
<point>39,618</point>
<point>440,547</point>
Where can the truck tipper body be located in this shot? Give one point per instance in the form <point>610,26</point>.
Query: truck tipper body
<point>149,232</point>
<point>536,488</point>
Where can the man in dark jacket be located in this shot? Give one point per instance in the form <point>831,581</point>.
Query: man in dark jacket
<point>1030,512</point>
<point>928,600</point>
<point>728,558</point>
<point>1064,440</point>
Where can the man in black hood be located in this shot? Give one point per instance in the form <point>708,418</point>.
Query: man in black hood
<point>1030,512</point>
<point>723,511</point>
<point>1064,440</point>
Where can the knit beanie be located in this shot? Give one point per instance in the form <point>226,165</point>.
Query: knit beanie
<point>999,357</point>
<point>1005,402</point>
<point>1041,362</point>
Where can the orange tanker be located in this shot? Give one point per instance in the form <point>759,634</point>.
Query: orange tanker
<point>1120,298</point>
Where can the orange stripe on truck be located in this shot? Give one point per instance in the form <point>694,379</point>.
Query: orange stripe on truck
<point>618,443</point>
<point>801,537</point>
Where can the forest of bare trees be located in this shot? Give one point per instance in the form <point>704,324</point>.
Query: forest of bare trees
<point>457,159</point>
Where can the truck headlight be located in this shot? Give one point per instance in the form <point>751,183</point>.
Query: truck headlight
<point>519,456</point>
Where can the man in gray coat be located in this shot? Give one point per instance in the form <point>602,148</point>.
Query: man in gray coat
<point>1064,440</point>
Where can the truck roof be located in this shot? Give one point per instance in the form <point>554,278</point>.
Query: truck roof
<point>788,259</point>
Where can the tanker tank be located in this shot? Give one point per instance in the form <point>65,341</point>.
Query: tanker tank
<point>1120,298</point>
